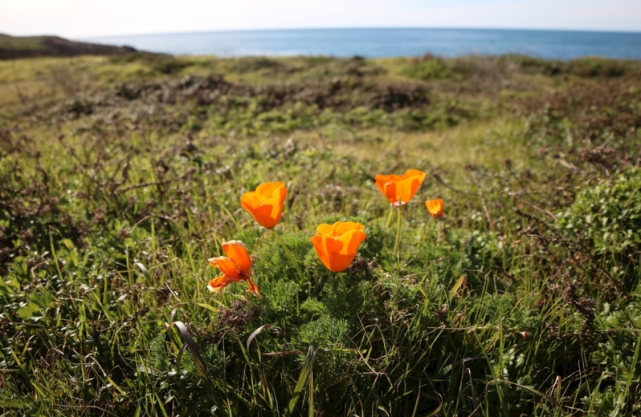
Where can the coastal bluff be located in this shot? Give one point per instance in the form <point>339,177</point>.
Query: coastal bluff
<point>12,47</point>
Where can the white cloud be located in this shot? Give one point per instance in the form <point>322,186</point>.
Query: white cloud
<point>83,18</point>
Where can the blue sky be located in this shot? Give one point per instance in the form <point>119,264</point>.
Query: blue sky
<point>86,18</point>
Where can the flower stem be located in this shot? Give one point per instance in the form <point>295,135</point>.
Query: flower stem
<point>389,218</point>
<point>398,232</point>
<point>290,256</point>
<point>340,276</point>
<point>439,236</point>
<point>318,288</point>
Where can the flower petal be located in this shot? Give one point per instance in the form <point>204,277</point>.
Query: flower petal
<point>420,175</point>
<point>392,194</point>
<point>218,284</point>
<point>259,207</point>
<point>351,241</point>
<point>328,249</point>
<point>325,229</point>
<point>253,288</point>
<point>333,247</point>
<point>336,244</point>
<point>278,202</point>
<point>340,228</point>
<point>319,244</point>
<point>237,252</point>
<point>381,180</point>
<point>341,262</point>
<point>267,189</point>
<point>399,189</point>
<point>227,267</point>
<point>252,200</point>
<point>263,216</point>
<point>266,203</point>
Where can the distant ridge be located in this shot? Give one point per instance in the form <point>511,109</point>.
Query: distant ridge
<point>12,47</point>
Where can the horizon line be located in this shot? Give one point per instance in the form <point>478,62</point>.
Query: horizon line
<point>353,28</point>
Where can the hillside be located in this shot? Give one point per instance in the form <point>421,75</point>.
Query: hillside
<point>122,177</point>
<point>12,47</point>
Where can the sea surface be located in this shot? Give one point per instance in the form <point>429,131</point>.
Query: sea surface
<point>389,43</point>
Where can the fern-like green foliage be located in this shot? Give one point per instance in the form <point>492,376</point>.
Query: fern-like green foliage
<point>314,307</point>
<point>325,332</point>
<point>158,354</point>
<point>607,219</point>
<point>280,299</point>
<point>608,214</point>
<point>274,263</point>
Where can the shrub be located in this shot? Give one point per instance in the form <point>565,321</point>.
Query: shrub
<point>431,69</point>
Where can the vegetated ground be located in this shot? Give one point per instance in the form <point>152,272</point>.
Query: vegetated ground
<point>120,177</point>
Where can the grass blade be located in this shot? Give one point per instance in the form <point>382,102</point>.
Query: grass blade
<point>193,349</point>
<point>198,360</point>
<point>458,284</point>
<point>255,333</point>
<point>302,380</point>
<point>310,393</point>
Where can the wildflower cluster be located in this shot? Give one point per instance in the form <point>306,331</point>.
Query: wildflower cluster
<point>336,244</point>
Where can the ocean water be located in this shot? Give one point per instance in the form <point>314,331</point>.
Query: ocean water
<point>389,43</point>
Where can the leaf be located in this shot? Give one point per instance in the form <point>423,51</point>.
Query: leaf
<point>461,282</point>
<point>142,268</point>
<point>28,311</point>
<point>9,287</point>
<point>438,409</point>
<point>302,380</point>
<point>198,360</point>
<point>255,333</point>
<point>43,300</point>
<point>422,291</point>
<point>283,353</point>
<point>310,393</point>
<point>37,302</point>
<point>193,349</point>
<point>11,403</point>
<point>68,243</point>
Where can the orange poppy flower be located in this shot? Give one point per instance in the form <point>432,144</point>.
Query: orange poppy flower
<point>435,207</point>
<point>235,267</point>
<point>266,203</point>
<point>336,244</point>
<point>399,189</point>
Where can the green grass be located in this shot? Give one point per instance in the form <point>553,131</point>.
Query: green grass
<point>117,187</point>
